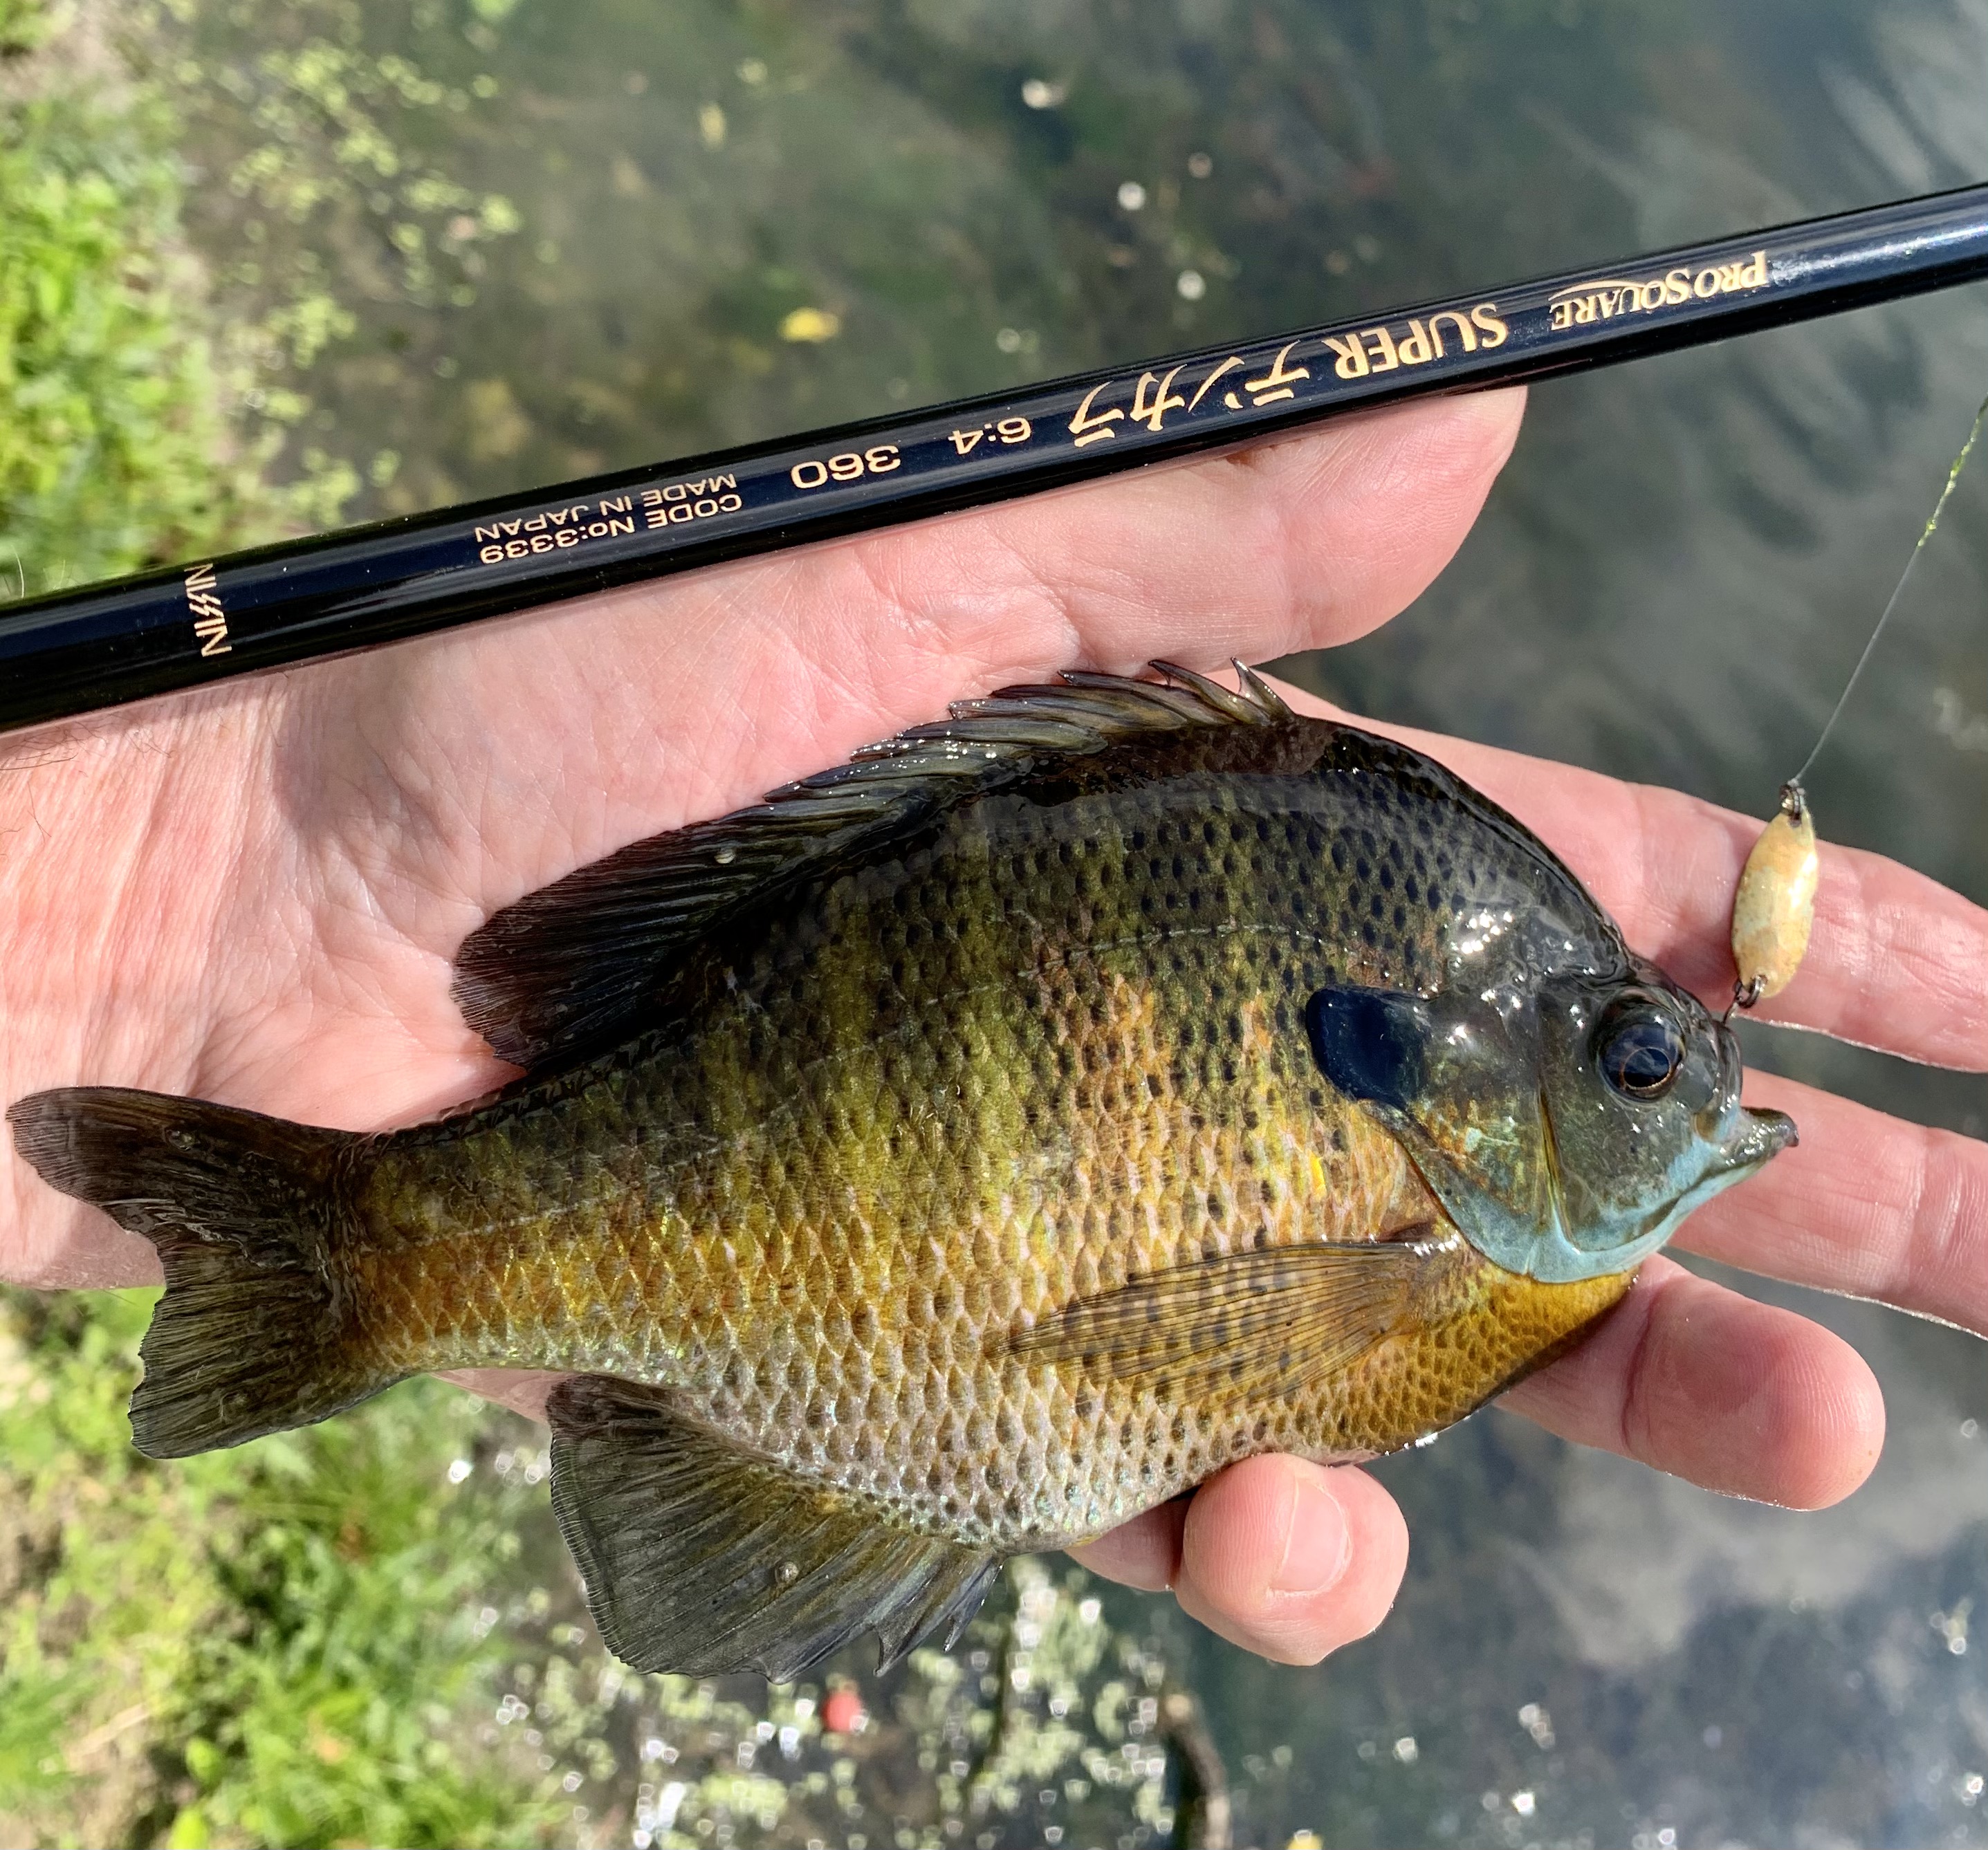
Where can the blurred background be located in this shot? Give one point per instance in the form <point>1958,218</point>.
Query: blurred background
<point>267,269</point>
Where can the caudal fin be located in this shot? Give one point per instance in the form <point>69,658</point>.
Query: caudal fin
<point>254,1333</point>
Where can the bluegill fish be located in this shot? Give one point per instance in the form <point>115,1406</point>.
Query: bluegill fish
<point>968,1148</point>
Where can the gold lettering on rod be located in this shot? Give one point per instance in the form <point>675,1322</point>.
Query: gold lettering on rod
<point>210,621</point>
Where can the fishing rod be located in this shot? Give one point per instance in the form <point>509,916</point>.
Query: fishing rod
<point>103,644</point>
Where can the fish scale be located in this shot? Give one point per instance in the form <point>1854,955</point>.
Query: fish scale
<point>961,1153</point>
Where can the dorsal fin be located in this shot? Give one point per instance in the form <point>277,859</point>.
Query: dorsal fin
<point>576,967</point>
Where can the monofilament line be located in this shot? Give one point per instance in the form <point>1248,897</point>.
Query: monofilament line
<point>1897,591</point>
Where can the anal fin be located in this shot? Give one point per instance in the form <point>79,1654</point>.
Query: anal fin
<point>702,1559</point>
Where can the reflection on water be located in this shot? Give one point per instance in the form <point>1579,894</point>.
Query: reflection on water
<point>735,223</point>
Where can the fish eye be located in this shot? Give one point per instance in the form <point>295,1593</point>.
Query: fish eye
<point>1639,1047</point>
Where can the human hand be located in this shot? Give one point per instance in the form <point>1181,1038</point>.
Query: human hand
<point>253,894</point>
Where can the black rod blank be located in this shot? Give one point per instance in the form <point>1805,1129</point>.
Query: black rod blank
<point>182,626</point>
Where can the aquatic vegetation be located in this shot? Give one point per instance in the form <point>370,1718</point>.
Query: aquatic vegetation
<point>155,405</point>
<point>367,1633</point>
<point>119,445</point>
<point>268,1648</point>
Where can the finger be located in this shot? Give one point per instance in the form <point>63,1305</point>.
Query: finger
<point>1288,1559</point>
<point>1740,1397</point>
<point>1865,1204</point>
<point>1143,1553</point>
<point>1894,960</point>
<point>523,1390</point>
<point>1294,545</point>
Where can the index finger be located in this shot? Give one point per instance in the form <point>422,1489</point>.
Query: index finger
<point>1895,960</point>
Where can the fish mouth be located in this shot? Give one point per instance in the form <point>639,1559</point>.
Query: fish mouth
<point>1754,1134</point>
<point>1758,1135</point>
<point>1751,1133</point>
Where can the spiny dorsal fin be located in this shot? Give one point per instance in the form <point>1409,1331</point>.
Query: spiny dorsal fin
<point>702,1559</point>
<point>1258,1322</point>
<point>576,967</point>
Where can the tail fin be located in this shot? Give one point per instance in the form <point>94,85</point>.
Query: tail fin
<point>254,1333</point>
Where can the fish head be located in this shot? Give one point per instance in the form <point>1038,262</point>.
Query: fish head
<point>1567,1124</point>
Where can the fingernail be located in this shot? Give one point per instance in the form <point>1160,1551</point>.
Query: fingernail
<point>1318,1544</point>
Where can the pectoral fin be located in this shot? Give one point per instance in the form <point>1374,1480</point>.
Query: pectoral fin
<point>702,1559</point>
<point>1253,1322</point>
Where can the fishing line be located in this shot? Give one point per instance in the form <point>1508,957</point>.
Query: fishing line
<point>1774,903</point>
<point>1897,591</point>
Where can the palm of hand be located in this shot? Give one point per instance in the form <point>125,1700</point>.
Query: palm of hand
<point>254,895</point>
